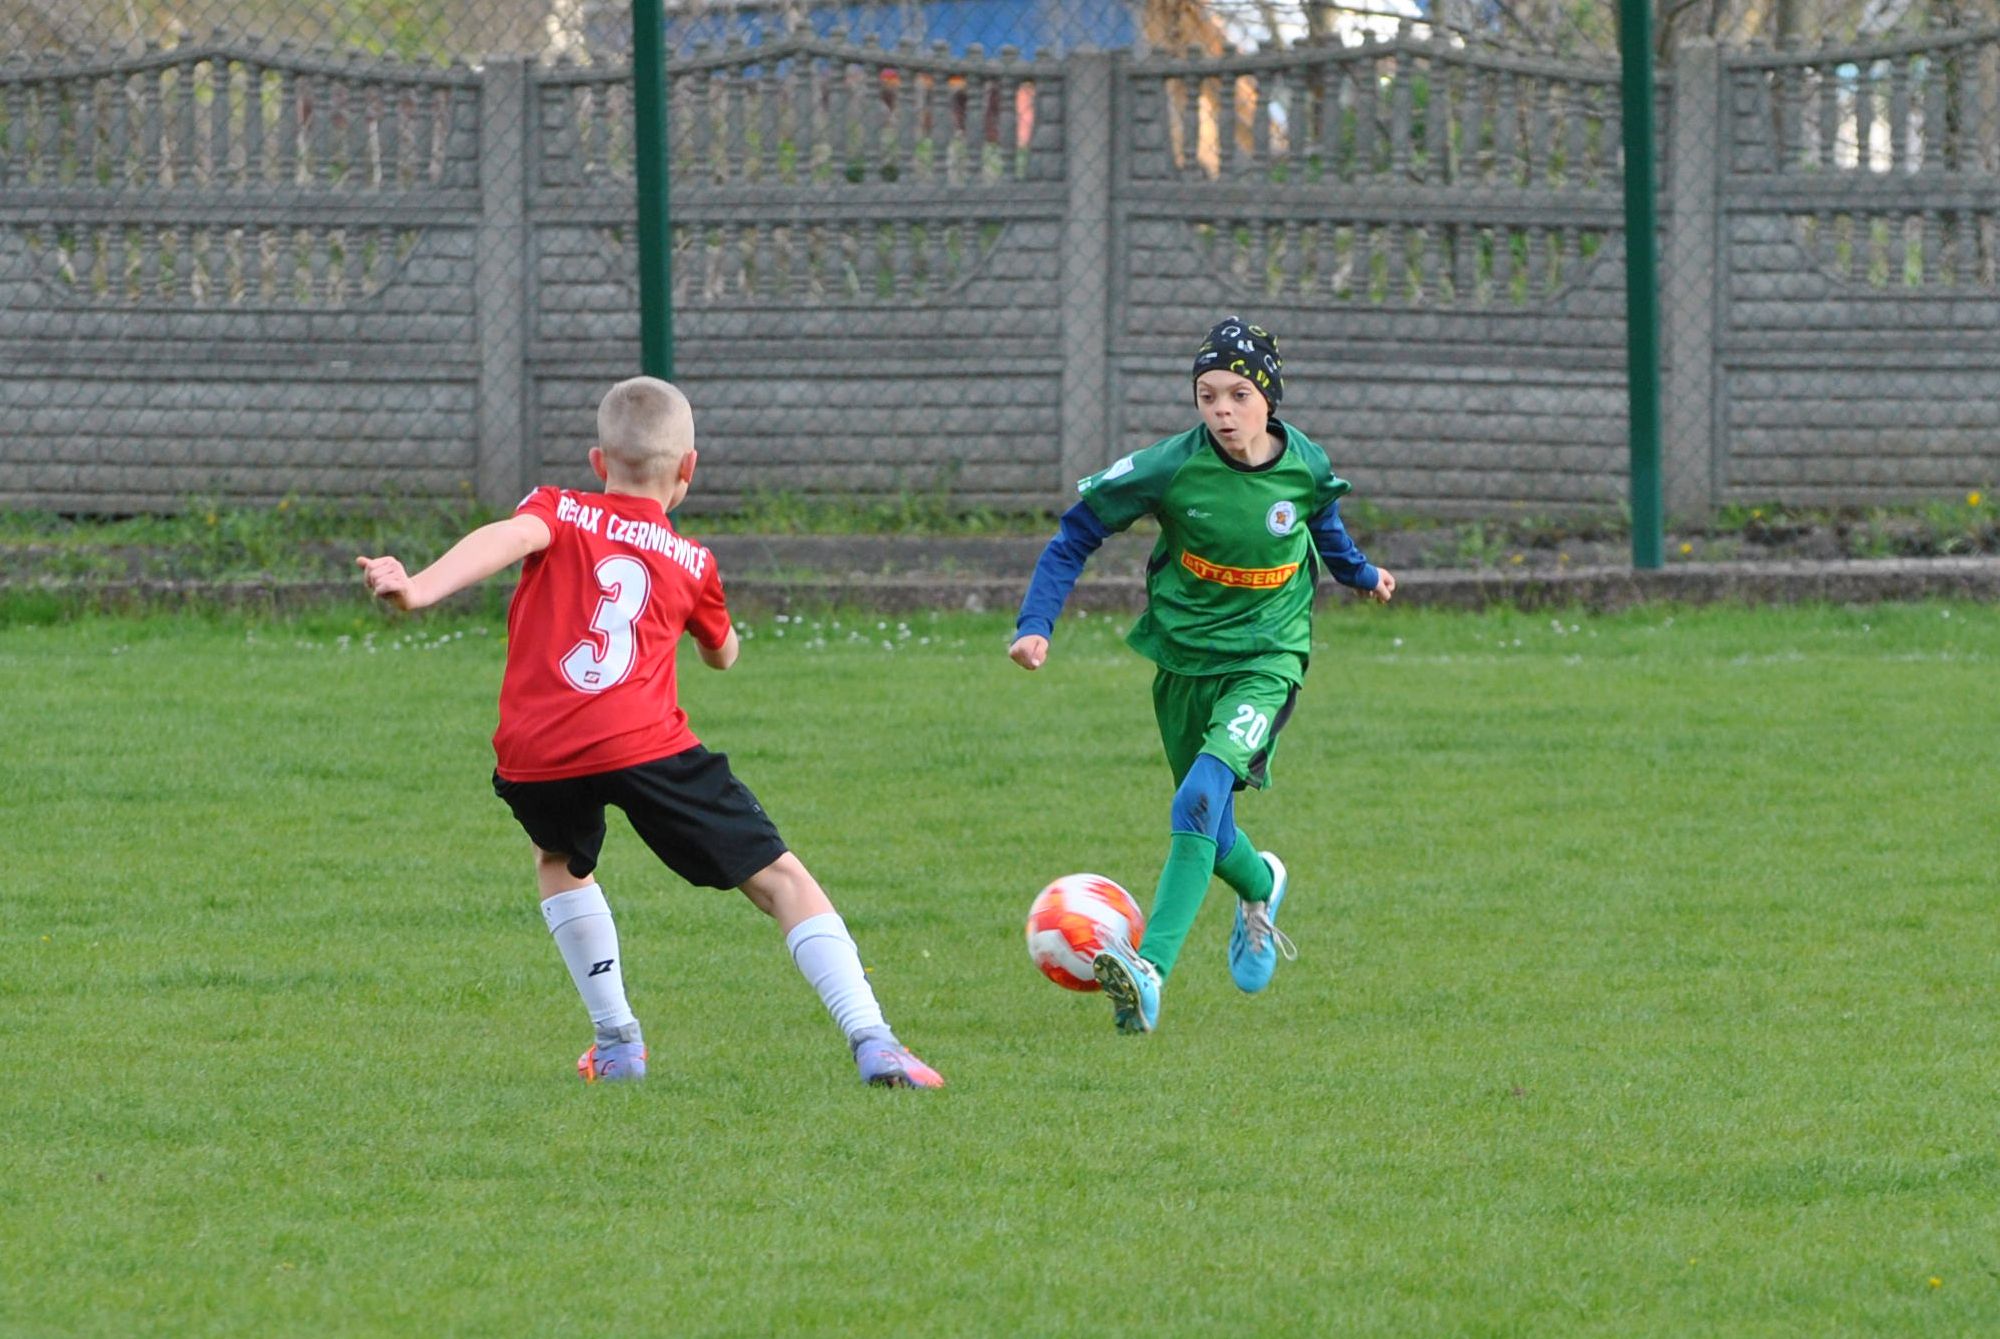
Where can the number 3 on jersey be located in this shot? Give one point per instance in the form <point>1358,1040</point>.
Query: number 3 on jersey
<point>600,662</point>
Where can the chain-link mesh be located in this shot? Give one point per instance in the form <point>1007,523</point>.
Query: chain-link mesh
<point>252,248</point>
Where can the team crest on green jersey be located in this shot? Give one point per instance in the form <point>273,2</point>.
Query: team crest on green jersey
<point>1281,518</point>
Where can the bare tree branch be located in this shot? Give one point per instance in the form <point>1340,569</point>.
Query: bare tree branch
<point>1507,10</point>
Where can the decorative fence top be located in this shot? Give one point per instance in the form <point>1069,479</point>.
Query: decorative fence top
<point>1928,105</point>
<point>803,114</point>
<point>220,118</point>
<point>1885,158</point>
<point>1399,110</point>
<point>216,174</point>
<point>1404,168</point>
<point>1400,171</point>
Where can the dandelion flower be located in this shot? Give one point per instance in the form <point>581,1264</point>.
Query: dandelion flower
<point>1686,549</point>
<point>1974,498</point>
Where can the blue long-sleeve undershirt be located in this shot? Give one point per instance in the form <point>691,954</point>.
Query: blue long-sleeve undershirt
<point>1080,534</point>
<point>1336,548</point>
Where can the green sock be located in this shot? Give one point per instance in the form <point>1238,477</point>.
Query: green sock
<point>1245,871</point>
<point>1183,884</point>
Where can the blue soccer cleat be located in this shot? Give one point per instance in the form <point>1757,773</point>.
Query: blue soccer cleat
<point>613,1062</point>
<point>885,1062</point>
<point>1256,941</point>
<point>1132,984</point>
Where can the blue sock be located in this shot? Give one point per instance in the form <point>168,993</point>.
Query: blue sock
<point>1204,803</point>
<point>1201,805</point>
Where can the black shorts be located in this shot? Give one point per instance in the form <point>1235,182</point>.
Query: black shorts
<point>689,808</point>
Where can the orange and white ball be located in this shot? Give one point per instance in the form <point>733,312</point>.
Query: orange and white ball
<point>1072,919</point>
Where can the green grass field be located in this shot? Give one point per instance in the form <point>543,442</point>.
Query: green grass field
<point>1647,987</point>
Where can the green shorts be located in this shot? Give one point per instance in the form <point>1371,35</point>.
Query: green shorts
<point>1236,717</point>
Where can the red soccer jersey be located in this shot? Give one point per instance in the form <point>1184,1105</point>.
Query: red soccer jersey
<point>591,636</point>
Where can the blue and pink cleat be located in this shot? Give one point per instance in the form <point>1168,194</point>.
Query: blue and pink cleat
<point>885,1062</point>
<point>613,1062</point>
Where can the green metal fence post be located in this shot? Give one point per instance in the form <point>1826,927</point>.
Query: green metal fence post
<point>649,114</point>
<point>1642,306</point>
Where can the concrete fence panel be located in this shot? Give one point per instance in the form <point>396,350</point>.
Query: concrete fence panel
<point>242,272</point>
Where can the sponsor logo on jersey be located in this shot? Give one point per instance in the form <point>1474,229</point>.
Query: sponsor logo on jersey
<point>1254,578</point>
<point>657,538</point>
<point>1281,518</point>
<point>640,534</point>
<point>571,512</point>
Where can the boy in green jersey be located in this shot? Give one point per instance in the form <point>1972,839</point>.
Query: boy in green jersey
<point>1248,510</point>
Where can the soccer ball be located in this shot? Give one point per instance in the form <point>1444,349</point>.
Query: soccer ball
<point>1072,919</point>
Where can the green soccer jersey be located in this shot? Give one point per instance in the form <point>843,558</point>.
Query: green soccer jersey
<point>1229,586</point>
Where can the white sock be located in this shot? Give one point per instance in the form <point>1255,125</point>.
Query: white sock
<point>827,958</point>
<point>581,922</point>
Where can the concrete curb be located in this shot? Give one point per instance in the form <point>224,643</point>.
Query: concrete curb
<point>1593,588</point>
<point>1604,588</point>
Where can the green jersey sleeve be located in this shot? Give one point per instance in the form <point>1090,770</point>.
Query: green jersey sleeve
<point>1132,486</point>
<point>1328,487</point>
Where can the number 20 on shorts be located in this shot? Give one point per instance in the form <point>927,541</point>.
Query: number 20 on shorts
<point>1249,727</point>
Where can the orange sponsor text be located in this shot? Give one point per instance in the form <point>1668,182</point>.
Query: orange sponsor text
<point>1256,577</point>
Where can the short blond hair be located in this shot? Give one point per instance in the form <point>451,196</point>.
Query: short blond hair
<point>645,425</point>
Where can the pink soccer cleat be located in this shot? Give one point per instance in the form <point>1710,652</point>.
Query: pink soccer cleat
<point>618,1062</point>
<point>885,1062</point>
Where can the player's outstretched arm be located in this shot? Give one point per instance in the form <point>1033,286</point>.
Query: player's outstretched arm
<point>1344,559</point>
<point>723,656</point>
<point>1078,535</point>
<point>478,556</point>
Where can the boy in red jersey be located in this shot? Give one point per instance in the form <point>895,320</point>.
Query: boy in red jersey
<point>589,716</point>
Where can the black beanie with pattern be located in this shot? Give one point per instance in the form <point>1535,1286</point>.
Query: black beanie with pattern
<point>1234,345</point>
